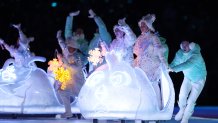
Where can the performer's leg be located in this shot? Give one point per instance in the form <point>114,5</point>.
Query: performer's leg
<point>65,96</point>
<point>183,94</point>
<point>195,92</point>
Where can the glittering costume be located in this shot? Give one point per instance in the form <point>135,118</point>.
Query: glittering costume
<point>150,54</point>
<point>123,45</point>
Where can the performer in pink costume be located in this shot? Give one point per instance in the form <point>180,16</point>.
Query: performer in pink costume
<point>149,53</point>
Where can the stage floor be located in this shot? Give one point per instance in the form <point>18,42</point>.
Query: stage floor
<point>28,120</point>
<point>206,114</point>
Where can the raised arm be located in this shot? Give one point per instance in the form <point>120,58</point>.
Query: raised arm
<point>104,34</point>
<point>22,36</point>
<point>10,49</point>
<point>130,36</point>
<point>60,40</point>
<point>69,24</point>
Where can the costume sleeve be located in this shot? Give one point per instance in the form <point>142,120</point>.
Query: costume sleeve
<point>160,50</point>
<point>22,35</point>
<point>68,27</point>
<point>104,34</point>
<point>166,51</point>
<point>130,36</point>
<point>61,42</point>
<point>10,49</point>
<point>165,46</point>
<point>177,59</point>
<point>186,65</point>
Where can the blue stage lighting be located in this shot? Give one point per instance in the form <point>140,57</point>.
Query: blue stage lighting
<point>54,4</point>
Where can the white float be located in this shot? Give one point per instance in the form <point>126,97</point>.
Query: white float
<point>118,91</point>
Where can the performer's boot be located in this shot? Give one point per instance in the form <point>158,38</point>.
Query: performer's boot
<point>179,115</point>
<point>188,113</point>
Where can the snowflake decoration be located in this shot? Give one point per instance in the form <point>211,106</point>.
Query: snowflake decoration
<point>95,56</point>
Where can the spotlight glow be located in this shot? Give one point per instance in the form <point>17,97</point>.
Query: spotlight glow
<point>54,4</point>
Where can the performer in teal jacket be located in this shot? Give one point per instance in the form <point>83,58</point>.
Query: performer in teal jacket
<point>73,49</point>
<point>78,36</point>
<point>101,35</point>
<point>190,61</point>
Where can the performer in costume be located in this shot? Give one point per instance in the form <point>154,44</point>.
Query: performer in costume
<point>68,88</point>
<point>150,53</point>
<point>23,43</point>
<point>124,41</point>
<point>189,60</point>
<point>74,58</point>
<point>101,35</point>
<point>78,36</point>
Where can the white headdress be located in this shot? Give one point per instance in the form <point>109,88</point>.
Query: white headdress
<point>148,20</point>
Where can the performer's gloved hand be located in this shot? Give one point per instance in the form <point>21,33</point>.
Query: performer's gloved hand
<point>91,13</point>
<point>74,13</point>
<point>122,22</point>
<point>17,26</point>
<point>1,41</point>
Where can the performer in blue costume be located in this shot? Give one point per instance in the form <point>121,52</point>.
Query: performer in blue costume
<point>76,37</point>
<point>101,35</point>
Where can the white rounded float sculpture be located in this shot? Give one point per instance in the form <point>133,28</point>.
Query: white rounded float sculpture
<point>28,90</point>
<point>118,91</point>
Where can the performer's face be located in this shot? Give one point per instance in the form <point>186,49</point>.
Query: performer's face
<point>185,46</point>
<point>79,31</point>
<point>118,33</point>
<point>71,49</point>
<point>143,27</point>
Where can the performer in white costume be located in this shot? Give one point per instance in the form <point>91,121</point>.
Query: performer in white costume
<point>23,42</point>
<point>149,53</point>
<point>18,56</point>
<point>21,59</point>
<point>189,60</point>
<point>124,41</point>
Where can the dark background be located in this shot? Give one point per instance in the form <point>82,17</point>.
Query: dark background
<point>192,20</point>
